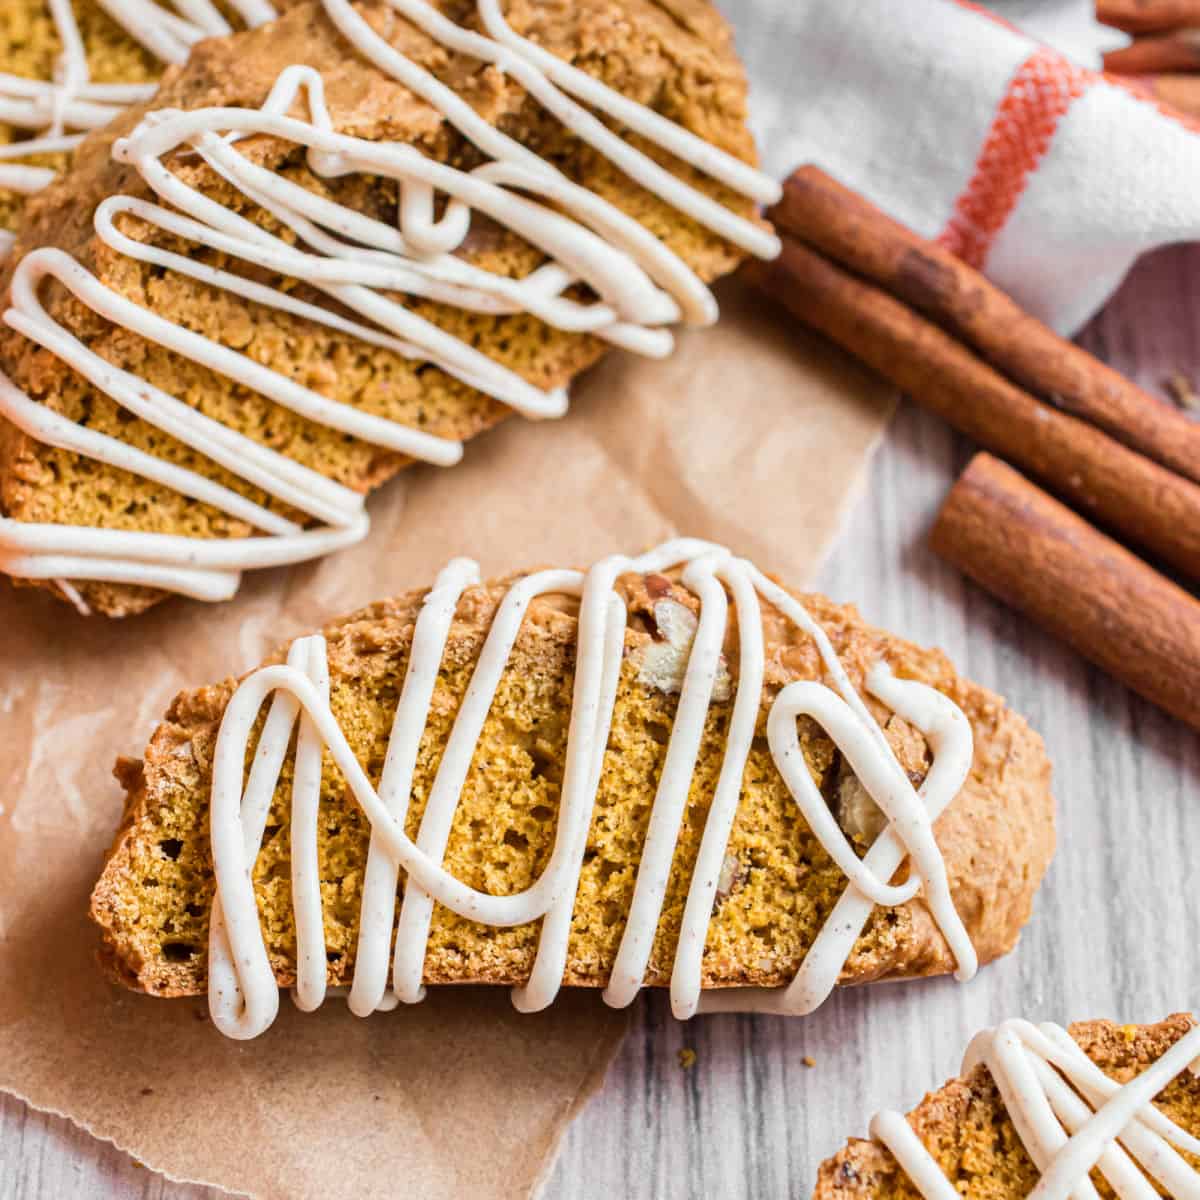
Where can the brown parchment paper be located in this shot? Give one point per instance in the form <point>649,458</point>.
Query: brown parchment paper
<point>752,435</point>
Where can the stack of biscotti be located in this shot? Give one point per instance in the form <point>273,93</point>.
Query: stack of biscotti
<point>777,884</point>
<point>677,60</point>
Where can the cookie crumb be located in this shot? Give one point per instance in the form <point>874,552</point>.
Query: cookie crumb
<point>687,1058</point>
<point>1180,389</point>
<point>809,1061</point>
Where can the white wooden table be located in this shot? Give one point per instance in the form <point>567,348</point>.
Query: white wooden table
<point>1113,933</point>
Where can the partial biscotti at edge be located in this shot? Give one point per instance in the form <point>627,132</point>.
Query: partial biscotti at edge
<point>966,1125</point>
<point>777,886</point>
<point>29,48</point>
<point>674,56</point>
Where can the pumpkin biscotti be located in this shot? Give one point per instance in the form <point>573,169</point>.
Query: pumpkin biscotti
<point>667,771</point>
<point>349,239</point>
<point>107,65</point>
<point>1096,1109</point>
<point>69,66</point>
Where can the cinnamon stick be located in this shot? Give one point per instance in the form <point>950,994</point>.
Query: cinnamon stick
<point>847,228</point>
<point>1143,501</point>
<point>1148,16</point>
<point>1051,565</point>
<point>1181,92</point>
<point>1178,51</point>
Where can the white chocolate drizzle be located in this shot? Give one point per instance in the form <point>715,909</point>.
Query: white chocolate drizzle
<point>640,288</point>
<point>61,110</point>
<point>243,995</point>
<point>1071,1119</point>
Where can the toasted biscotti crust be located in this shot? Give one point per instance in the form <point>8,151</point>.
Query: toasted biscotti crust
<point>675,56</point>
<point>966,1126</point>
<point>152,901</point>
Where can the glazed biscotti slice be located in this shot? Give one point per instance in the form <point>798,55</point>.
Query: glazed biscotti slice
<point>668,770</point>
<point>68,66</point>
<point>352,238</point>
<point>1098,1110</point>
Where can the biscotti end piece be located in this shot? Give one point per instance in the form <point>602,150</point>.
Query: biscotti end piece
<point>675,58</point>
<point>967,1128</point>
<point>29,48</point>
<point>777,883</point>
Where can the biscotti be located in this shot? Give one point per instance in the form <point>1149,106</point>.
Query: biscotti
<point>69,66</point>
<point>35,141</point>
<point>351,238</point>
<point>1042,1111</point>
<point>658,772</point>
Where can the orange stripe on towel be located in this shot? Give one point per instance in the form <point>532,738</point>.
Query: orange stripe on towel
<point>1040,94</point>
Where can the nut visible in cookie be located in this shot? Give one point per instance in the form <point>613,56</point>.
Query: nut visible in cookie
<point>664,662</point>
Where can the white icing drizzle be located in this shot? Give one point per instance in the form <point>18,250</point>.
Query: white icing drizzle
<point>1071,1118</point>
<point>62,109</point>
<point>641,287</point>
<point>243,995</point>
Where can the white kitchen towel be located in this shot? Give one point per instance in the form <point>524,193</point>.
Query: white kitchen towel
<point>1050,177</point>
<point>1067,25</point>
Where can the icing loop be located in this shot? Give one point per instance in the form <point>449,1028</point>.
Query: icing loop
<point>1071,1119</point>
<point>638,287</point>
<point>243,995</point>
